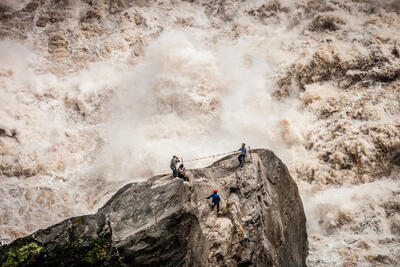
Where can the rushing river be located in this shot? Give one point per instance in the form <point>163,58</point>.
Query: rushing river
<point>95,94</point>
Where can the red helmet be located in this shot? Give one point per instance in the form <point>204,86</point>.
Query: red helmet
<point>215,191</point>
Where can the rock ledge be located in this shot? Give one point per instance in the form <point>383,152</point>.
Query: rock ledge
<point>165,222</point>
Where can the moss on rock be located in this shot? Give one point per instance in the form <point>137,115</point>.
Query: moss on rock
<point>22,255</point>
<point>91,251</point>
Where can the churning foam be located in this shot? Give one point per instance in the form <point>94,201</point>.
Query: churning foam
<point>183,98</point>
<point>72,139</point>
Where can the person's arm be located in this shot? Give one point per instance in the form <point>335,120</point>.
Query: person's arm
<point>210,196</point>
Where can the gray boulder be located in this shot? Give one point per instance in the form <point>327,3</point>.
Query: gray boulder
<point>169,222</point>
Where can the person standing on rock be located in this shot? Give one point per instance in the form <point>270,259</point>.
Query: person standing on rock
<point>215,199</point>
<point>242,155</point>
<point>174,163</point>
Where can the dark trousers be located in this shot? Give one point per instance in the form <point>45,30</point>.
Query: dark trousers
<point>184,177</point>
<point>241,160</point>
<point>174,172</point>
<point>216,204</point>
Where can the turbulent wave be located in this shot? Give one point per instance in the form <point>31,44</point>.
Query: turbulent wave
<point>95,94</point>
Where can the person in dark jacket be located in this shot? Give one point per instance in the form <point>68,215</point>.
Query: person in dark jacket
<point>215,199</point>
<point>182,173</point>
<point>242,155</point>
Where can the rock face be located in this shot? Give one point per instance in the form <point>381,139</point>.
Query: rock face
<point>169,222</point>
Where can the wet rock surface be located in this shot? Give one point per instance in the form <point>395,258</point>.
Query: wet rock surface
<point>169,222</point>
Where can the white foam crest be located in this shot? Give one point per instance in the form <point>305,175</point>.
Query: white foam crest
<point>13,4</point>
<point>73,139</point>
<point>351,216</point>
<point>188,100</point>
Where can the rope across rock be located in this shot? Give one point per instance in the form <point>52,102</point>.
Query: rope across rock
<point>181,170</point>
<point>216,155</point>
<point>212,156</point>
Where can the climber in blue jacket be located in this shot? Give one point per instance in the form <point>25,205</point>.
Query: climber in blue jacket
<point>215,199</point>
<point>242,156</point>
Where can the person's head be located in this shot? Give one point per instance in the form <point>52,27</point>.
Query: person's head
<point>173,156</point>
<point>181,166</point>
<point>215,191</point>
<point>243,144</point>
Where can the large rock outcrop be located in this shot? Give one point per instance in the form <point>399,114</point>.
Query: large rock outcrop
<point>169,222</point>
